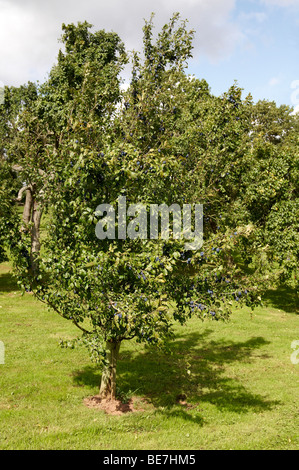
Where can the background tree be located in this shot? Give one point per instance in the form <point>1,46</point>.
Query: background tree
<point>271,122</point>
<point>8,215</point>
<point>270,198</point>
<point>46,115</point>
<point>23,152</point>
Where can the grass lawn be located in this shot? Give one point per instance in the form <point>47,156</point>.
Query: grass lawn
<point>241,390</point>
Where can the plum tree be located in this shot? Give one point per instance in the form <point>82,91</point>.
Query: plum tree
<point>139,147</point>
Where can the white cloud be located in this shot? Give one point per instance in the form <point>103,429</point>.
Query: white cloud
<point>257,16</point>
<point>29,29</point>
<point>274,81</point>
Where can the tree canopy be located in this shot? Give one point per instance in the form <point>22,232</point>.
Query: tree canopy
<point>79,141</point>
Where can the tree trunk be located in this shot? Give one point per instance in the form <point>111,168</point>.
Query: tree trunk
<point>35,236</point>
<point>108,382</point>
<point>27,210</point>
<point>32,215</point>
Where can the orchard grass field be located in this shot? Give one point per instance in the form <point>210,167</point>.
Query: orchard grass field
<point>222,386</point>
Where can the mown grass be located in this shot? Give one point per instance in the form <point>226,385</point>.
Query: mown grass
<point>241,388</point>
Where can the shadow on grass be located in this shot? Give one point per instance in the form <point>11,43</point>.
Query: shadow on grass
<point>8,283</point>
<point>284,298</point>
<point>162,378</point>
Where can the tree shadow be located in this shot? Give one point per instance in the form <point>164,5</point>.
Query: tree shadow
<point>193,373</point>
<point>89,376</point>
<point>283,298</point>
<point>8,283</point>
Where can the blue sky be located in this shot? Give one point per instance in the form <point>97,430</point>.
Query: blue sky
<point>265,59</point>
<point>252,41</point>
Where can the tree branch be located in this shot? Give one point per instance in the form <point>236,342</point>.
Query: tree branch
<point>22,190</point>
<point>80,328</point>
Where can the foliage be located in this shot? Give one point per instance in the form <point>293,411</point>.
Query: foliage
<point>115,290</point>
<point>270,122</point>
<point>8,213</point>
<point>270,195</point>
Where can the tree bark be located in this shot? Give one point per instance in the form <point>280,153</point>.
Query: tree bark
<point>32,214</point>
<point>35,236</point>
<point>27,209</point>
<point>108,381</point>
